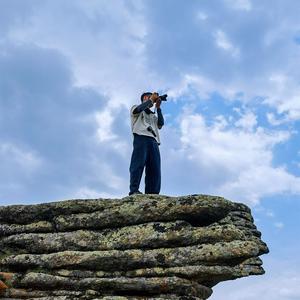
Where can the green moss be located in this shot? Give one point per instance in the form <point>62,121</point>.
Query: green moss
<point>5,253</point>
<point>8,282</point>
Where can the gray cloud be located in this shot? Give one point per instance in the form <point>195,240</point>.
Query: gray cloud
<point>50,124</point>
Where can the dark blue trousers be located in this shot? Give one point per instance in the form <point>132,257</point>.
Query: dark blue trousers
<point>145,154</point>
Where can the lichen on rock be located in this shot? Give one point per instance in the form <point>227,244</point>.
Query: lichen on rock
<point>137,247</point>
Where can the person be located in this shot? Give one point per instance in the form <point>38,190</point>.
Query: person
<point>145,127</point>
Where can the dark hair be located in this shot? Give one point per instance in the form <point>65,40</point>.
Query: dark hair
<point>144,94</point>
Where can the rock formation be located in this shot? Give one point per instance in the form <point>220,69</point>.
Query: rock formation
<point>137,247</point>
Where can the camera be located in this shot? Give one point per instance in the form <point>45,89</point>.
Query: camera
<point>163,97</point>
<point>149,128</point>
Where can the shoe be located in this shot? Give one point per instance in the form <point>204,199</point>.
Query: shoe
<point>137,192</point>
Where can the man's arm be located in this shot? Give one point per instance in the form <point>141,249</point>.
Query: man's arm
<point>160,120</point>
<point>142,106</point>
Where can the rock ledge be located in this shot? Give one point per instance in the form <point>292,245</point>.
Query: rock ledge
<point>137,247</point>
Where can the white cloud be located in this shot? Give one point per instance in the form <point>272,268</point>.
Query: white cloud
<point>279,225</point>
<point>24,160</point>
<point>223,42</point>
<point>104,120</point>
<point>284,95</point>
<point>240,4</point>
<point>105,175</point>
<point>20,166</point>
<point>110,53</point>
<point>258,181</point>
<point>236,162</point>
<point>282,285</point>
<point>275,121</point>
<point>248,121</point>
<point>279,92</point>
<point>88,193</point>
<point>202,85</point>
<point>201,16</point>
<point>221,122</point>
<point>270,214</point>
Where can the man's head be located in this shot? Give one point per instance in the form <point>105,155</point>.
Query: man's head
<point>145,96</point>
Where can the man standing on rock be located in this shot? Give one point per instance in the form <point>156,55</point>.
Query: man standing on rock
<point>145,125</point>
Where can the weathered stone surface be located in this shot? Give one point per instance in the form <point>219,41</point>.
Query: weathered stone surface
<point>17,294</point>
<point>151,285</point>
<point>135,258</point>
<point>147,235</point>
<point>137,247</point>
<point>9,229</point>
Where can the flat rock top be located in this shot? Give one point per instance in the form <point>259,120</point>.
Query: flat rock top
<point>21,214</point>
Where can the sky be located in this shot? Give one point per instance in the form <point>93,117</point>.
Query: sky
<point>71,70</point>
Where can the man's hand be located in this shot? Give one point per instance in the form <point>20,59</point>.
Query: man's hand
<point>154,97</point>
<point>157,103</point>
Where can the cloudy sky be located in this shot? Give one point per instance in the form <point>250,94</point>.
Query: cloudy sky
<point>70,70</point>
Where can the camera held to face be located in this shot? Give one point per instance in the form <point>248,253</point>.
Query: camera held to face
<point>163,97</point>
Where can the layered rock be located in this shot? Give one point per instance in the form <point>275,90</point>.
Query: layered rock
<point>137,247</point>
